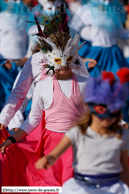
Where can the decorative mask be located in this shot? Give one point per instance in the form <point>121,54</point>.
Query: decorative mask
<point>102,111</point>
<point>106,95</point>
<point>56,57</point>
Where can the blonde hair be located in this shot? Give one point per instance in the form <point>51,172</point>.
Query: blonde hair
<point>86,120</point>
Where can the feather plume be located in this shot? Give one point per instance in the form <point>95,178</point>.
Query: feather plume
<point>64,19</point>
<point>107,75</point>
<point>57,22</point>
<point>39,29</point>
<point>44,46</point>
<point>123,74</point>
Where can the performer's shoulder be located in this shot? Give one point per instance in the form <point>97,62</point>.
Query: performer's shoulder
<point>38,54</point>
<point>81,78</point>
<point>37,58</point>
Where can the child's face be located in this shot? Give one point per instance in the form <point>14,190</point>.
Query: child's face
<point>106,122</point>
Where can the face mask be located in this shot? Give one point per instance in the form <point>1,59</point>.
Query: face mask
<point>102,111</point>
<point>56,57</point>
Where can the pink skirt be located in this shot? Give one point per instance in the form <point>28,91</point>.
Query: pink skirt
<point>18,164</point>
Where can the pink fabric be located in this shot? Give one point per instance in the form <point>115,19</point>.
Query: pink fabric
<point>64,111</point>
<point>18,164</point>
<point>18,167</point>
<point>3,135</point>
<point>36,134</point>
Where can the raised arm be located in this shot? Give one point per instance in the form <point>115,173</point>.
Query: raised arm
<point>49,160</point>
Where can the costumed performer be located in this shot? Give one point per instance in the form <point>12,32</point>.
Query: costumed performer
<point>103,168</point>
<point>106,19</point>
<point>14,41</point>
<point>33,71</point>
<point>59,95</point>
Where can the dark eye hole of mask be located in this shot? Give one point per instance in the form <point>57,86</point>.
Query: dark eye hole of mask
<point>100,109</point>
<point>57,60</point>
<point>69,59</point>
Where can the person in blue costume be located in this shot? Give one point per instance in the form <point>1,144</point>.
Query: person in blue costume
<point>84,31</point>
<point>106,18</point>
<point>85,36</point>
<point>14,42</point>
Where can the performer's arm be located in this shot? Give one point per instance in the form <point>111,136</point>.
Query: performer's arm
<point>18,135</point>
<point>30,123</point>
<point>70,138</point>
<point>49,160</point>
<point>125,171</point>
<point>122,34</point>
<point>18,118</point>
<point>36,112</point>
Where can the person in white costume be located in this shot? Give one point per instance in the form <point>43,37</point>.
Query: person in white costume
<point>13,43</point>
<point>99,143</point>
<point>59,96</point>
<point>13,36</point>
<point>31,72</point>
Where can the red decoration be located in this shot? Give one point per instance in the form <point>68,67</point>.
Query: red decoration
<point>3,135</point>
<point>123,74</point>
<point>39,29</point>
<point>34,2</point>
<point>100,109</point>
<point>107,75</point>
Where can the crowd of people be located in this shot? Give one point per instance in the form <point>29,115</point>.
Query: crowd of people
<point>64,95</point>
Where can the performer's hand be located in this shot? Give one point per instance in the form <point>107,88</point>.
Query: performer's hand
<point>8,65</point>
<point>1,126</point>
<point>15,129</point>
<point>125,125</point>
<point>4,145</point>
<point>92,63</point>
<point>9,60</point>
<point>45,162</point>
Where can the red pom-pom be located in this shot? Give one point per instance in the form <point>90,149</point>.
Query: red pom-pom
<point>123,74</point>
<point>107,75</point>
